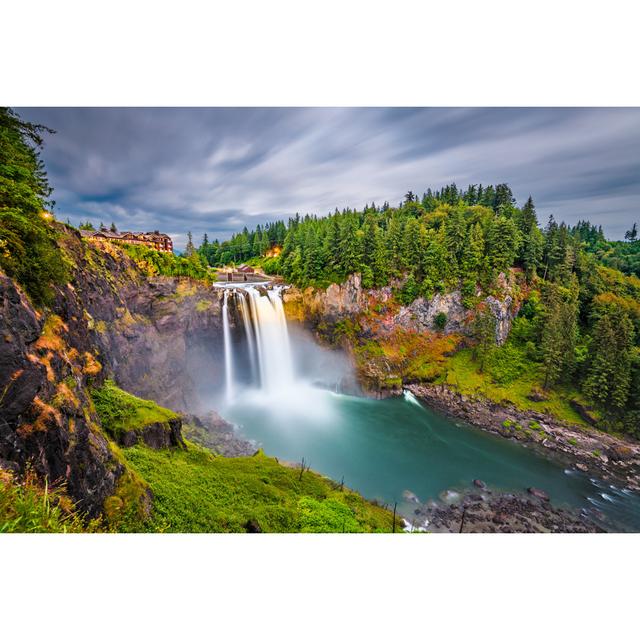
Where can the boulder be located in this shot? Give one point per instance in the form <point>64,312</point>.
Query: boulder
<point>538,493</point>
<point>619,453</point>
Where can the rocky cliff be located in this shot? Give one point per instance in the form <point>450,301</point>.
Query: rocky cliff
<point>349,299</point>
<point>390,343</point>
<point>111,320</point>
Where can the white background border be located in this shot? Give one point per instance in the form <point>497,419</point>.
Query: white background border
<point>331,53</point>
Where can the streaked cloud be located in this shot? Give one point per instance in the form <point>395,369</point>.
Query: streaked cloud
<point>216,170</point>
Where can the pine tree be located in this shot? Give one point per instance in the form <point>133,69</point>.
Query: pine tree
<point>484,332</point>
<point>559,328</point>
<point>393,240</point>
<point>455,230</point>
<point>632,234</point>
<point>190,249</point>
<point>410,250</point>
<point>503,199</point>
<point>609,377</point>
<point>502,242</point>
<point>473,257</point>
<point>350,245</point>
<point>379,265</point>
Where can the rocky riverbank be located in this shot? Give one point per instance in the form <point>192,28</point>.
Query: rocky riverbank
<point>583,448</point>
<point>482,511</point>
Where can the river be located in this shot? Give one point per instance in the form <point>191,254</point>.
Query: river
<point>386,448</point>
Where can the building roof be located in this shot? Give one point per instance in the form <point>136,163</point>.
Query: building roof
<point>155,236</point>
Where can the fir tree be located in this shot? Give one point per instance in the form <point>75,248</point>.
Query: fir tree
<point>484,332</point>
<point>609,376</point>
<point>190,249</point>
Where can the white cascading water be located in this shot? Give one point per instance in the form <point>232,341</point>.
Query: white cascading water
<point>277,388</point>
<point>276,363</point>
<point>246,319</point>
<point>228,349</point>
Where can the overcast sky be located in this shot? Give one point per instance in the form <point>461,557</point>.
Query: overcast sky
<point>216,170</point>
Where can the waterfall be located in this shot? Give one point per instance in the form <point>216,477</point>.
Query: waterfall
<point>246,319</point>
<point>272,337</point>
<point>265,328</point>
<point>228,349</point>
<point>272,385</point>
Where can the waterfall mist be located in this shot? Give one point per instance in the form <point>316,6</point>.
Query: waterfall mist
<point>271,365</point>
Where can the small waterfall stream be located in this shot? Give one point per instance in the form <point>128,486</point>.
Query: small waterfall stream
<point>228,349</point>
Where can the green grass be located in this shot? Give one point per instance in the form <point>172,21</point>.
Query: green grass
<point>461,372</point>
<point>120,411</point>
<point>30,506</point>
<point>196,491</point>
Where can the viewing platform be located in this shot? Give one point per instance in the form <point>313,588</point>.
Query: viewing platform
<point>243,273</point>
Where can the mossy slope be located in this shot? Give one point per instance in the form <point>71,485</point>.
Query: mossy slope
<point>120,411</point>
<point>195,491</point>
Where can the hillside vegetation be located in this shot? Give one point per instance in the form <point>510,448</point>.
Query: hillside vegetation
<point>577,335</point>
<point>28,250</point>
<point>197,491</point>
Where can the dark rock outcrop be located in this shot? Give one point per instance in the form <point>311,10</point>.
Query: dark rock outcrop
<point>159,435</point>
<point>501,513</point>
<point>46,420</point>
<point>214,432</point>
<point>152,335</point>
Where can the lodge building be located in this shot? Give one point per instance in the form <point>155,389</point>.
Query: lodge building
<point>152,239</point>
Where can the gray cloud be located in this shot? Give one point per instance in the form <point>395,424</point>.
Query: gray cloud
<point>216,170</point>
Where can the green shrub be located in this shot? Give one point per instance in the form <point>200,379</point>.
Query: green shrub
<point>168,264</point>
<point>440,321</point>
<point>29,505</point>
<point>507,363</point>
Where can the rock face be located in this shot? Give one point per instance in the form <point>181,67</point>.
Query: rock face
<point>46,418</point>
<point>159,435</point>
<point>349,300</point>
<point>152,335</point>
<point>421,314</point>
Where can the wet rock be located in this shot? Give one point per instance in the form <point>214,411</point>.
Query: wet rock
<point>159,435</point>
<point>409,496</point>
<point>619,453</point>
<point>507,513</point>
<point>214,432</point>
<point>538,493</point>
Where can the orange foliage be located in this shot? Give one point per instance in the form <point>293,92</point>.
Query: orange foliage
<point>611,299</point>
<point>92,367</point>
<point>50,339</point>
